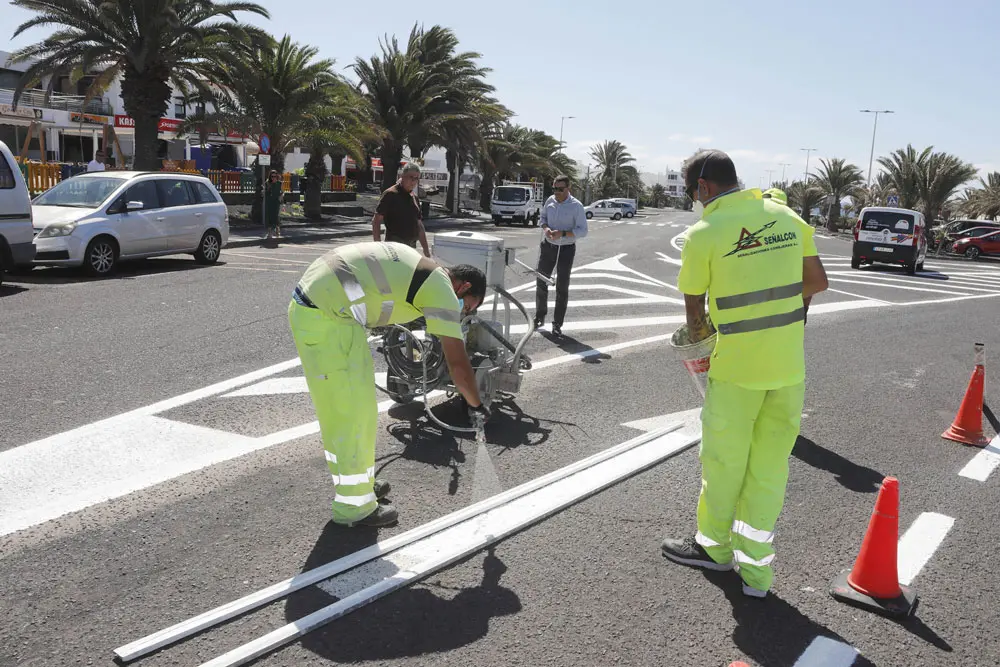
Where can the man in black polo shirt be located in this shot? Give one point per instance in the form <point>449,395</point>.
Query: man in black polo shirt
<point>400,211</point>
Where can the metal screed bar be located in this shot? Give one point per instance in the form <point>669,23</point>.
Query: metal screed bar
<point>472,536</point>
<point>223,613</point>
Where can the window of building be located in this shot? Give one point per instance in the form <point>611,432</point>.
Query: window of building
<point>180,109</point>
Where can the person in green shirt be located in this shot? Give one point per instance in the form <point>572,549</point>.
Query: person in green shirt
<point>755,262</point>
<point>339,297</point>
<point>272,205</point>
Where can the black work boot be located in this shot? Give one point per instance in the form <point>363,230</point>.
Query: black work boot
<point>384,515</point>
<point>689,552</point>
<point>382,488</point>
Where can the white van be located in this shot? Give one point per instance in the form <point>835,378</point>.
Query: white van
<point>17,247</point>
<point>890,236</point>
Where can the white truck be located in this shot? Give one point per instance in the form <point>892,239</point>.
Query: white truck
<point>517,202</point>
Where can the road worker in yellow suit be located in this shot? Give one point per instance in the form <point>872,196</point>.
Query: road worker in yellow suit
<point>758,264</point>
<point>339,297</point>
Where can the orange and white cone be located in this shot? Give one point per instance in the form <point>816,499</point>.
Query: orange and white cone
<point>873,583</point>
<point>968,425</point>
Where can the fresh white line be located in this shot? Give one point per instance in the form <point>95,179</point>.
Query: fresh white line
<point>955,298</point>
<point>919,543</point>
<point>891,286</point>
<point>637,301</point>
<point>621,323</point>
<point>827,652</point>
<point>984,463</point>
<point>453,544</point>
<point>667,258</point>
<point>627,279</point>
<point>586,287</point>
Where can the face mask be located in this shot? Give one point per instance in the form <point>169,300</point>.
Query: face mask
<point>699,208</point>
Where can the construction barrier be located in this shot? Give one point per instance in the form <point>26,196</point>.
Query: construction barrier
<point>40,177</point>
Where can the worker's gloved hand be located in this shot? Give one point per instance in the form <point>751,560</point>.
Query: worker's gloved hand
<point>479,414</point>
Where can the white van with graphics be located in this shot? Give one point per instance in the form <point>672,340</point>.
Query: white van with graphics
<point>17,247</point>
<point>890,236</point>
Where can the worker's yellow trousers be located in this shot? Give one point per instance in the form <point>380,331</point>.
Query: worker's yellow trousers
<point>747,437</point>
<point>337,363</point>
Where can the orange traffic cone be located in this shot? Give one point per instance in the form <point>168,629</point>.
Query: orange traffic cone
<point>968,425</point>
<point>873,583</point>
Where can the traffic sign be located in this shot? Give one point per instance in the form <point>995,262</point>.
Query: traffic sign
<point>893,200</point>
<point>265,143</point>
<point>264,160</point>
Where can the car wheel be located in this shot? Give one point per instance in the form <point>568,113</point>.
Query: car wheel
<point>629,214</point>
<point>534,220</point>
<point>496,221</point>
<point>972,252</point>
<point>589,215</point>
<point>911,269</point>
<point>855,263</point>
<point>101,256</point>
<point>210,248</point>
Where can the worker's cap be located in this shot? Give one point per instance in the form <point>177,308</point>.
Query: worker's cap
<point>776,195</point>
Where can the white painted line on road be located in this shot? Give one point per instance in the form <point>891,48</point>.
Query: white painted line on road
<point>636,301</point>
<point>615,264</point>
<point>859,296</point>
<point>279,386</point>
<point>279,590</point>
<point>984,463</point>
<point>889,286</point>
<point>646,224</point>
<point>627,279</point>
<point>230,265</point>
<point>667,258</point>
<point>453,544</point>
<point>660,224</point>
<point>593,287</point>
<point>565,358</point>
<point>827,652</point>
<point>890,281</point>
<point>677,243</point>
<point>632,223</point>
<point>620,323</point>
<point>956,298</point>
<point>919,543</point>
<point>267,259</point>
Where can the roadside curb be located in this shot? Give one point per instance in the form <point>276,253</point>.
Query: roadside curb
<point>245,242</point>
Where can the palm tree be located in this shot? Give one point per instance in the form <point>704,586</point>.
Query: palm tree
<point>611,157</point>
<point>804,197</point>
<point>904,167</point>
<point>273,89</point>
<point>515,152</point>
<point>657,195</point>
<point>837,179</point>
<point>339,126</point>
<point>941,177</point>
<point>983,201</point>
<point>150,44</point>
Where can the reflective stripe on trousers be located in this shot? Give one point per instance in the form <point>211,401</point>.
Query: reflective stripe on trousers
<point>759,297</point>
<point>356,293</point>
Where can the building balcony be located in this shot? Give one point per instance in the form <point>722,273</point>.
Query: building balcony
<point>57,101</point>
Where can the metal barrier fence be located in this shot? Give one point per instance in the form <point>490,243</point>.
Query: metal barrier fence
<point>40,177</point>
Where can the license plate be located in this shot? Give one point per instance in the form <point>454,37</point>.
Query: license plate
<point>506,217</point>
<point>882,248</point>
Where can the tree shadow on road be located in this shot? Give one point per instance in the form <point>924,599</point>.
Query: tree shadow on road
<point>850,475</point>
<point>413,621</point>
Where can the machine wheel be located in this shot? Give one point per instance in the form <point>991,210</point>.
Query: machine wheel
<point>972,252</point>
<point>855,263</point>
<point>101,257</point>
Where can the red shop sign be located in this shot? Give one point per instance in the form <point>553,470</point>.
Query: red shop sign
<point>166,124</point>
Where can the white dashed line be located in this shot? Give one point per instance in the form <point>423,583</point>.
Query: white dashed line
<point>918,544</point>
<point>984,463</point>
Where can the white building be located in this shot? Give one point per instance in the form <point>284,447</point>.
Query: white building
<point>74,129</point>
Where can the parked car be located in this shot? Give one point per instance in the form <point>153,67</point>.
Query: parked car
<point>974,247</point>
<point>17,248</point>
<point>960,229</point>
<point>631,206</point>
<point>603,209</point>
<point>94,220</point>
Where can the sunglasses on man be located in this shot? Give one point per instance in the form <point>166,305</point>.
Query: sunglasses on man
<point>558,188</point>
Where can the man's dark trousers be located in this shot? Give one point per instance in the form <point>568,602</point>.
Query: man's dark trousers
<point>546,261</point>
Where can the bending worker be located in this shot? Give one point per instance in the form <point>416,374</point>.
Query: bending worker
<point>758,263</point>
<point>340,296</point>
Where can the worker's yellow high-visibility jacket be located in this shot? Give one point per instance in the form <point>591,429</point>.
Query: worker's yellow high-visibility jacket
<point>747,253</point>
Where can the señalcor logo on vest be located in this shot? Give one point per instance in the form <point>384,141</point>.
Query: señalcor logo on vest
<point>749,240</point>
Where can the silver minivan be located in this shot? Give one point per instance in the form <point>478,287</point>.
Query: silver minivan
<point>17,248</point>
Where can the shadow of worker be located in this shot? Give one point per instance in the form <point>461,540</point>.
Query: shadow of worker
<point>775,634</point>
<point>571,345</point>
<point>850,475</point>
<point>411,621</point>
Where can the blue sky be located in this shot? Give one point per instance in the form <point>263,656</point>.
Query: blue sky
<point>760,80</point>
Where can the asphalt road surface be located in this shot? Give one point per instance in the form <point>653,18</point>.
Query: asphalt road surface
<point>158,457</point>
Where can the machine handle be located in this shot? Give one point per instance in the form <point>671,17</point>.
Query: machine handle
<point>548,280</point>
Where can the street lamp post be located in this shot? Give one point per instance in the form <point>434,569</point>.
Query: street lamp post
<point>783,165</point>
<point>562,120</point>
<point>769,172</point>
<point>871,157</point>
<point>808,151</point>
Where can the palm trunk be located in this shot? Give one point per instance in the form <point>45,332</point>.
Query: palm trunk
<point>451,161</point>
<point>486,190</point>
<point>145,95</point>
<point>391,155</point>
<point>315,175</point>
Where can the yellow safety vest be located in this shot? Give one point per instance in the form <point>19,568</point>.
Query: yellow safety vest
<point>373,283</point>
<point>746,252</point>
